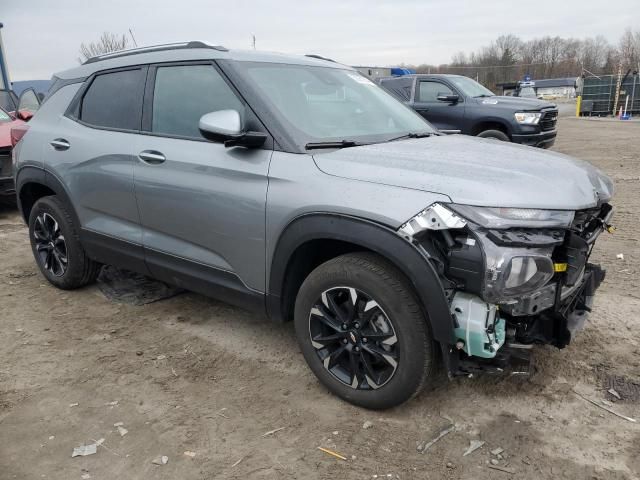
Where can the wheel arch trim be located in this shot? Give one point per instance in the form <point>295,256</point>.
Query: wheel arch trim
<point>375,237</point>
<point>30,174</point>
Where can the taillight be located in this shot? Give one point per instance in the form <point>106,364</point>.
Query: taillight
<point>17,133</point>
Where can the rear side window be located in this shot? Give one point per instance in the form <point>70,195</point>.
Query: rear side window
<point>114,100</point>
<point>182,94</point>
<point>429,91</point>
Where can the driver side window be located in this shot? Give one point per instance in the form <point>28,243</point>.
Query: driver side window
<point>429,91</point>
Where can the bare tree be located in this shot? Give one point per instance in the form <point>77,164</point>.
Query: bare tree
<point>108,42</point>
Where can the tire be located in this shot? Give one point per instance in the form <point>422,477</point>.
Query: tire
<point>56,247</point>
<point>394,330</point>
<point>494,134</point>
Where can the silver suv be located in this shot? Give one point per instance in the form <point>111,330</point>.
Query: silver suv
<point>294,186</point>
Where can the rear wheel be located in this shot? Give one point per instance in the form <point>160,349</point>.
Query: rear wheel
<point>494,134</point>
<point>362,331</point>
<point>56,246</point>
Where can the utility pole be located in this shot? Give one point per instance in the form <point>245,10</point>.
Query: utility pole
<point>5,81</point>
<point>253,41</point>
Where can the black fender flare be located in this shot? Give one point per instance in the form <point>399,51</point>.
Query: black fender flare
<point>378,238</point>
<point>31,174</point>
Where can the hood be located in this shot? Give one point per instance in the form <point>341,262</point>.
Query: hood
<point>515,103</point>
<point>474,171</point>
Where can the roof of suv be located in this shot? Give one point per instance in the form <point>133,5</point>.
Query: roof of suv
<point>186,51</point>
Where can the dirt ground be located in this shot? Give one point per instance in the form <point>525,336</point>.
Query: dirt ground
<point>192,374</point>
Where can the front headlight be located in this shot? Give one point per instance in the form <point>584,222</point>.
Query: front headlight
<point>528,118</point>
<point>496,217</point>
<point>513,272</point>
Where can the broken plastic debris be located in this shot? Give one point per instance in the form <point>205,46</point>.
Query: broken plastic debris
<point>473,446</point>
<point>111,404</point>
<point>368,424</point>
<point>497,451</point>
<point>122,431</point>
<point>118,424</point>
<point>85,476</point>
<point>75,404</point>
<point>161,357</point>
<point>423,447</point>
<point>84,450</point>
<point>51,437</point>
<point>271,432</point>
<point>190,454</point>
<point>620,256</point>
<point>613,392</point>
<point>162,460</point>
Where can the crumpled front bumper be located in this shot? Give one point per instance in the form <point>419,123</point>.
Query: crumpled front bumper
<point>569,314</point>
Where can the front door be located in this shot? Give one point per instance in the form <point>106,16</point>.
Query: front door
<point>202,205</point>
<point>443,115</point>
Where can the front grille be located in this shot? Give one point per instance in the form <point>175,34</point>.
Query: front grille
<point>549,120</point>
<point>5,163</point>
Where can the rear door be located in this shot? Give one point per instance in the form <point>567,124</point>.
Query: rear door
<point>443,115</point>
<point>202,206</point>
<point>92,150</point>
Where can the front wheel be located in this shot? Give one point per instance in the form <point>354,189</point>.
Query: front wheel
<point>494,135</point>
<point>363,333</point>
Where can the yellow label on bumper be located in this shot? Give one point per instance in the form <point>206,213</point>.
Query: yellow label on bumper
<point>559,267</point>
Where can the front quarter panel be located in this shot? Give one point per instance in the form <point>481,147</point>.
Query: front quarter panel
<point>297,187</point>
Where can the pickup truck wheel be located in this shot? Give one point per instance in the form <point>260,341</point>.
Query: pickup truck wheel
<point>494,134</point>
<point>56,246</point>
<point>363,333</point>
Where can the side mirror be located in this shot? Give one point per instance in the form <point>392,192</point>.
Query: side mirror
<point>24,115</point>
<point>226,126</point>
<point>448,98</point>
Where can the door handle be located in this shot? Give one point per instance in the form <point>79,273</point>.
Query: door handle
<point>152,157</point>
<point>60,144</point>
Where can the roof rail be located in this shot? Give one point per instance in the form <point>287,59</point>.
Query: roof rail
<point>156,48</point>
<point>320,58</point>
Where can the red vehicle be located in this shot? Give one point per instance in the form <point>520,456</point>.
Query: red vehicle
<point>13,118</point>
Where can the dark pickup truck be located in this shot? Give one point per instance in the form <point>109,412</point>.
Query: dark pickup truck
<point>457,104</point>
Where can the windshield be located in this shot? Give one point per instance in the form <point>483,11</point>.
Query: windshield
<point>319,104</point>
<point>470,87</point>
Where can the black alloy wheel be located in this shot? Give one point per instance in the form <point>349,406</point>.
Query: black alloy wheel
<point>50,244</point>
<point>354,338</point>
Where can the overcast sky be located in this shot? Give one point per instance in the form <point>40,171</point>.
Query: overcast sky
<point>43,36</point>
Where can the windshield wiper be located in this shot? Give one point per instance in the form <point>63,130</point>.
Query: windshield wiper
<point>340,144</point>
<point>412,135</point>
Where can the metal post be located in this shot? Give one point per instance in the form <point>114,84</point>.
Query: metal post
<point>5,82</point>
<point>633,91</point>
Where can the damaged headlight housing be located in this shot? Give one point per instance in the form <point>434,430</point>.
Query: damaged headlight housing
<point>509,272</point>
<point>513,272</point>
<point>528,118</point>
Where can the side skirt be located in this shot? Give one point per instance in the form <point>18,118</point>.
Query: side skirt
<point>204,279</point>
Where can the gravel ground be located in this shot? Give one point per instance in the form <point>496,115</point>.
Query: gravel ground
<point>191,374</point>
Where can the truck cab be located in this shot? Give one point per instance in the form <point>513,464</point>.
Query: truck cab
<point>458,104</point>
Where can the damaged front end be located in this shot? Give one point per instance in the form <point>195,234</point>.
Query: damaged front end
<point>514,277</point>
